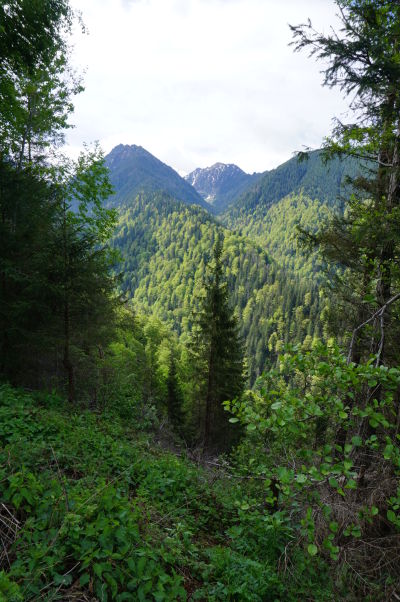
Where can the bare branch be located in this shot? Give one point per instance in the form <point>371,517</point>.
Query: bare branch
<point>378,314</point>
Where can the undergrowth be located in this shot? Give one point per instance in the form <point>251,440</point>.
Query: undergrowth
<point>91,509</point>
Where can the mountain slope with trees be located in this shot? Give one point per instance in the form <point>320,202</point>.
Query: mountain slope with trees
<point>93,393</point>
<point>133,169</point>
<point>295,195</point>
<point>308,173</point>
<point>165,247</point>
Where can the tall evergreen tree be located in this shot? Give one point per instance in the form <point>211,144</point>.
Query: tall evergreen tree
<point>28,213</point>
<point>81,281</point>
<point>219,356</point>
<point>56,291</point>
<point>363,60</point>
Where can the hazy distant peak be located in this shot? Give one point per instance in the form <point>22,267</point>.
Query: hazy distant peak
<point>133,169</point>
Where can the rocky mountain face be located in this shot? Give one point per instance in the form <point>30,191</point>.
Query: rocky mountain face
<point>221,184</point>
<point>134,170</point>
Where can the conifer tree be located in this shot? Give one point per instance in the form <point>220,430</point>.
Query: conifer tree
<point>363,60</point>
<point>82,284</point>
<point>219,356</point>
<point>56,301</point>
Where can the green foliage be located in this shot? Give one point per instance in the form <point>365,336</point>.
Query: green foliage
<point>9,591</point>
<point>236,578</point>
<point>363,62</point>
<point>175,399</point>
<point>165,247</point>
<point>36,84</point>
<point>298,411</point>
<point>140,372</point>
<point>57,292</point>
<point>104,512</point>
<point>90,505</point>
<point>26,236</point>
<point>312,178</point>
<point>217,356</point>
<point>276,229</point>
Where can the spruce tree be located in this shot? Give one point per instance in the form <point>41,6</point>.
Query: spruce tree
<point>363,60</point>
<point>218,356</point>
<point>82,284</point>
<point>364,242</point>
<point>56,291</point>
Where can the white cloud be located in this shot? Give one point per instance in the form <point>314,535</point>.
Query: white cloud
<point>200,81</point>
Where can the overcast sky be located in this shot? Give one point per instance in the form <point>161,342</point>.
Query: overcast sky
<point>200,81</point>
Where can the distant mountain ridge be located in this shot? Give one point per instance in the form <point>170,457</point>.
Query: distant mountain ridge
<point>221,184</point>
<point>297,193</point>
<point>133,170</point>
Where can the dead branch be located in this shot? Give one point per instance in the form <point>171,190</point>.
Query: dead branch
<point>378,314</point>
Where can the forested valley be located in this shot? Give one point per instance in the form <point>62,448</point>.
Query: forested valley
<point>199,400</point>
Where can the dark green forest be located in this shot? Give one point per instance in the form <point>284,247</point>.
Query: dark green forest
<point>197,405</point>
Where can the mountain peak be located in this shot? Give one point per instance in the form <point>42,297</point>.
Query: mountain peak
<point>221,183</point>
<point>133,169</point>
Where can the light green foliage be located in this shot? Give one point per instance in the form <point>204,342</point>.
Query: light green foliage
<point>36,84</point>
<point>292,419</point>
<point>299,193</point>
<point>9,591</point>
<point>137,378</point>
<point>165,247</point>
<point>275,229</point>
<point>104,512</point>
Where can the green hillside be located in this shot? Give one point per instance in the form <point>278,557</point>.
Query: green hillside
<point>311,176</point>
<point>296,194</point>
<point>165,246</point>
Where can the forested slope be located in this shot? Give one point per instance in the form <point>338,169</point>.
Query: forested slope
<point>311,175</point>
<point>297,193</point>
<point>165,246</point>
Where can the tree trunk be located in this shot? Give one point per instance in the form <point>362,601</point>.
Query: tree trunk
<point>67,317</point>
<point>209,401</point>
<point>67,359</point>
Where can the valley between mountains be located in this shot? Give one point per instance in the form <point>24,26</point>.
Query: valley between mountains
<point>168,225</point>
<point>199,376</point>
